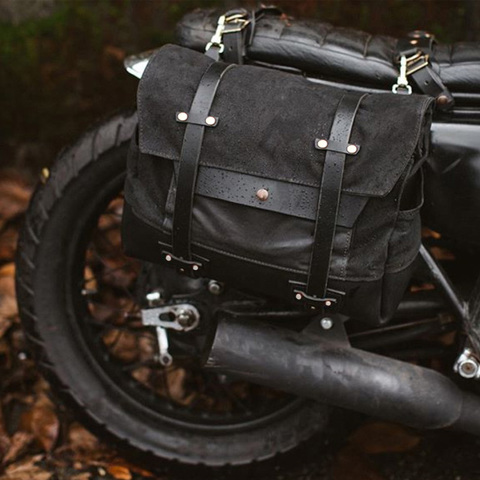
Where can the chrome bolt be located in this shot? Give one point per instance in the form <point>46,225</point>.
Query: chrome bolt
<point>153,296</point>
<point>298,296</point>
<point>195,267</point>
<point>182,116</point>
<point>468,369</point>
<point>326,323</point>
<point>168,258</point>
<point>322,144</point>
<point>185,318</point>
<point>214,287</point>
<point>328,303</point>
<point>210,121</point>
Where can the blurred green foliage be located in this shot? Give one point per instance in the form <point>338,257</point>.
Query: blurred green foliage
<point>59,73</point>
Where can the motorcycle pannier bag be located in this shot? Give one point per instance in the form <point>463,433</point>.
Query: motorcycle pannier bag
<point>276,185</point>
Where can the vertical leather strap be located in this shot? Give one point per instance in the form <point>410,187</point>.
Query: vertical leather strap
<point>189,158</point>
<point>329,197</point>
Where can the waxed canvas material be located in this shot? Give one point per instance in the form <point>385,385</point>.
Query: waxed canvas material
<point>268,121</point>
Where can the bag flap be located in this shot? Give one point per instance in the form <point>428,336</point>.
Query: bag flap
<point>268,122</point>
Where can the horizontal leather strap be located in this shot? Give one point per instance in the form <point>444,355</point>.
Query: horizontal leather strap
<point>287,198</point>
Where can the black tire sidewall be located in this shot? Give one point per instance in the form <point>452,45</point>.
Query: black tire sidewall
<point>87,384</point>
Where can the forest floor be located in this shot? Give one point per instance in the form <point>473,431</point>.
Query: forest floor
<point>40,440</point>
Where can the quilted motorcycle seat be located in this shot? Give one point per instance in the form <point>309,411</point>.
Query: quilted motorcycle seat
<point>339,53</point>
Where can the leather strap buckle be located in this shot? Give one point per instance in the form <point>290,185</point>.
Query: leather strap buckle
<point>228,23</point>
<point>417,62</point>
<point>191,268</point>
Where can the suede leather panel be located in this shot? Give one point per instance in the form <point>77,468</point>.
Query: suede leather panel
<point>268,121</point>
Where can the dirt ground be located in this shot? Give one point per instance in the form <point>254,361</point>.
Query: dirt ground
<point>40,440</point>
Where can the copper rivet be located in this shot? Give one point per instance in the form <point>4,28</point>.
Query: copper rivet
<point>262,194</point>
<point>352,149</point>
<point>168,258</point>
<point>322,144</point>
<point>298,296</point>
<point>182,116</point>
<point>195,267</point>
<point>210,120</point>
<point>442,100</point>
<point>328,303</point>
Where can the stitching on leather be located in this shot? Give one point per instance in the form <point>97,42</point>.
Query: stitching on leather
<point>367,44</point>
<point>324,38</point>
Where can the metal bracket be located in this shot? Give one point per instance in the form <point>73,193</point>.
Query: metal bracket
<point>313,302</point>
<point>181,318</point>
<point>187,267</point>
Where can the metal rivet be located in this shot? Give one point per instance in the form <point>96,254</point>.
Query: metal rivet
<point>210,120</point>
<point>442,100</point>
<point>262,194</point>
<point>352,149</point>
<point>182,116</point>
<point>326,323</point>
<point>322,144</point>
<point>168,258</point>
<point>413,42</point>
<point>328,303</point>
<point>298,296</point>
<point>195,267</point>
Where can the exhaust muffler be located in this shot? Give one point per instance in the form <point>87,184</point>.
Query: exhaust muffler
<point>337,374</point>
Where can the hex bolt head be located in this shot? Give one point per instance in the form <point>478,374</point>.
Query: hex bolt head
<point>214,287</point>
<point>326,323</point>
<point>184,318</point>
<point>468,369</point>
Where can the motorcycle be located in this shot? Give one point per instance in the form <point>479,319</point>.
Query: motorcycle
<point>168,367</point>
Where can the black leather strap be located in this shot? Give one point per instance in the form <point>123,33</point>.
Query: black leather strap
<point>329,197</point>
<point>425,77</point>
<point>234,45</point>
<point>189,159</point>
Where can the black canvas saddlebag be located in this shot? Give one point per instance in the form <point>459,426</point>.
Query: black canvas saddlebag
<point>276,185</point>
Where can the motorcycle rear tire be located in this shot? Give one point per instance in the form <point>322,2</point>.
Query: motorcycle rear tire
<point>60,212</point>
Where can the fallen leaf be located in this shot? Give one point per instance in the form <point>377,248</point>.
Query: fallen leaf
<point>378,437</point>
<point>19,444</point>
<point>14,195</point>
<point>119,472</point>
<point>442,253</point>
<point>42,422</point>
<point>81,440</point>
<point>8,302</point>
<point>27,470</point>
<point>81,476</point>
<point>350,464</point>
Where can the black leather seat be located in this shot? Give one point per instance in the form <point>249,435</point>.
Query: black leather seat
<point>333,52</point>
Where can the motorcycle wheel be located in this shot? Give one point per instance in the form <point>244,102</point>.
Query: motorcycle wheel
<point>78,304</point>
